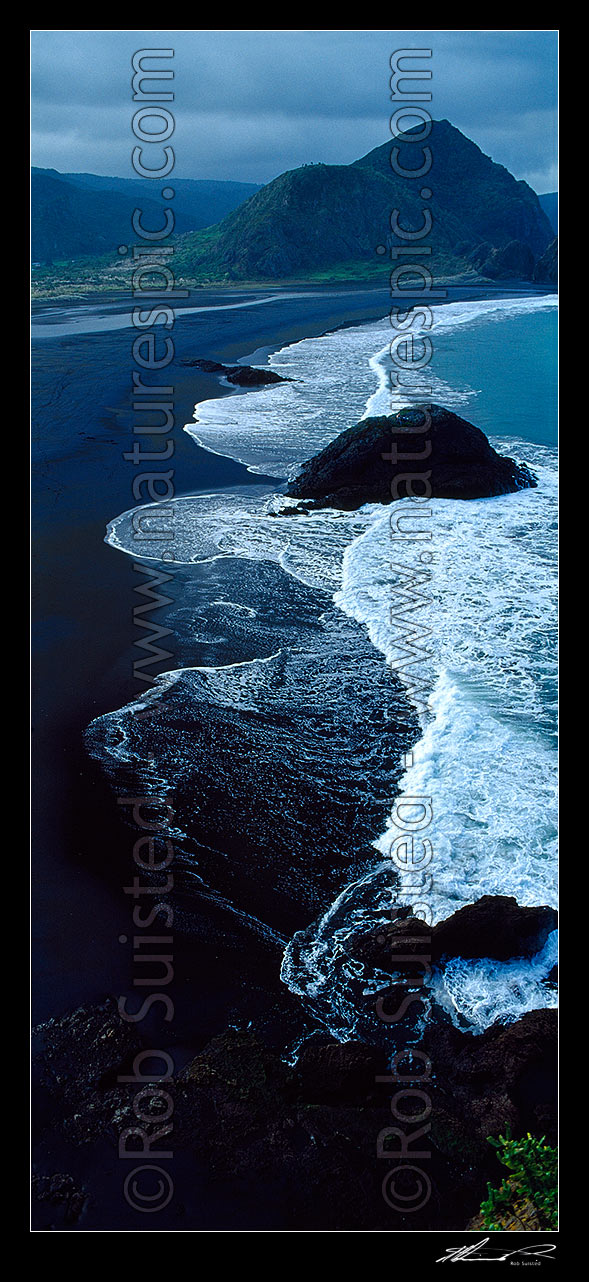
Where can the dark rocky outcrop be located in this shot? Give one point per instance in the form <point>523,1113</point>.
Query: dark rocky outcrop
<point>248,376</point>
<point>507,1076</point>
<point>77,1059</point>
<point>516,261</point>
<point>546,269</point>
<point>495,926</point>
<point>480,253</point>
<point>337,1072</point>
<point>299,1142</point>
<point>207,367</point>
<point>240,375</point>
<point>451,454</point>
<point>56,1201</point>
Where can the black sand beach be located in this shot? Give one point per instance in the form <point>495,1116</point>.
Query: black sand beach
<point>84,598</point>
<point>84,652</point>
<point>84,589</point>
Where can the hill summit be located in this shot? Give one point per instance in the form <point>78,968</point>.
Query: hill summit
<point>319,218</point>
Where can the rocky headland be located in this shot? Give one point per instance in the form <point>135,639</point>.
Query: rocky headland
<point>308,1139</point>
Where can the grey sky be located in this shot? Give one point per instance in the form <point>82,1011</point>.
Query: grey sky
<point>250,104</point>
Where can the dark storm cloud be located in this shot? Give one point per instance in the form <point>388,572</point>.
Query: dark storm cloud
<point>250,104</point>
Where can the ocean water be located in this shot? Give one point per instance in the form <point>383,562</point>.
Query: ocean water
<point>459,625</point>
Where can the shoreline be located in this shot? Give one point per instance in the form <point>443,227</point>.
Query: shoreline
<point>116,303</point>
<point>241,983</point>
<point>118,297</point>
<point>83,608</point>
<point>101,638</point>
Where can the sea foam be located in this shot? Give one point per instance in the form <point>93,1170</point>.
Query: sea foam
<point>485,684</point>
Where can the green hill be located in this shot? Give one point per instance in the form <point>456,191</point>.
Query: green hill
<point>330,218</point>
<point>301,222</point>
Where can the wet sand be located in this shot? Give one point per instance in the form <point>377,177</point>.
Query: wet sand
<point>83,658</point>
<point>84,594</point>
<point>83,601</point>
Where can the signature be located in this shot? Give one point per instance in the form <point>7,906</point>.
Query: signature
<point>480,1251</point>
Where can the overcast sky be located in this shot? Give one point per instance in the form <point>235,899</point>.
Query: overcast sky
<point>251,104</point>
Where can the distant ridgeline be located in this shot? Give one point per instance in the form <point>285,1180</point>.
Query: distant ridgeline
<point>318,222</point>
<point>85,214</point>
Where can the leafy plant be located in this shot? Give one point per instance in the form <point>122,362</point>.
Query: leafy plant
<point>529,1194</point>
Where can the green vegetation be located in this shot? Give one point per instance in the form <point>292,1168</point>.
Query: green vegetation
<point>528,1196</point>
<point>78,277</point>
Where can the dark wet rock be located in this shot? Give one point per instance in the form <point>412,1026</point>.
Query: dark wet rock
<point>507,1076</point>
<point>337,1072</point>
<point>309,1133</point>
<point>207,367</point>
<point>312,1130</point>
<point>301,509</point>
<point>77,1060</point>
<point>90,1043</point>
<point>382,949</point>
<point>247,376</point>
<point>546,269</point>
<point>448,453</point>
<point>495,926</point>
<point>240,375</point>
<point>56,1200</point>
<point>301,1141</point>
